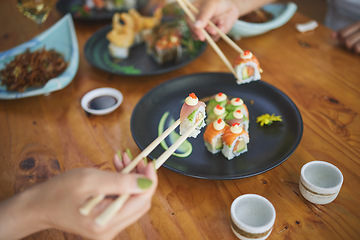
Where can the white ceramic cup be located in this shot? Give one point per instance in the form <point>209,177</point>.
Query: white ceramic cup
<point>252,217</point>
<point>320,182</point>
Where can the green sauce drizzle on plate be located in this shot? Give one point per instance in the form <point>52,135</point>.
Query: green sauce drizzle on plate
<point>185,148</point>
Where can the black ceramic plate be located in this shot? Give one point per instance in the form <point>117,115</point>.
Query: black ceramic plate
<point>269,145</point>
<point>76,9</point>
<point>139,63</point>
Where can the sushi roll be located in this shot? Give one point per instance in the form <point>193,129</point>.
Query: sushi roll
<point>216,113</point>
<point>247,67</point>
<point>237,104</point>
<point>191,112</point>
<point>144,24</point>
<point>122,36</point>
<point>218,99</point>
<point>164,43</point>
<point>213,135</point>
<point>235,140</point>
<point>237,117</point>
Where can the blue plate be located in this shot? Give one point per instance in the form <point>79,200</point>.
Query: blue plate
<point>282,13</point>
<point>60,37</point>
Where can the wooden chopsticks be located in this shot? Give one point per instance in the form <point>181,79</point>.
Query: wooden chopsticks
<point>116,205</point>
<point>185,5</point>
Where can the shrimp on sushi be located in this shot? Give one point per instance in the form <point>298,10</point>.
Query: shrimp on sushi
<point>122,36</point>
<point>247,67</point>
<point>192,112</point>
<point>237,117</point>
<point>213,135</point>
<point>235,140</point>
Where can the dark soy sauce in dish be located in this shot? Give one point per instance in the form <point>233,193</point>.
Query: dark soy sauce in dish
<point>102,102</point>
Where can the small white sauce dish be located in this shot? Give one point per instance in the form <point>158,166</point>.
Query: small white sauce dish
<point>252,217</point>
<point>320,182</point>
<point>101,101</point>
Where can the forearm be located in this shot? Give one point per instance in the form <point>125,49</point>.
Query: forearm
<point>19,217</point>
<point>247,6</point>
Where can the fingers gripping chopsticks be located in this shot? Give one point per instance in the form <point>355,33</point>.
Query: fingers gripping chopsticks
<point>116,205</point>
<point>185,5</point>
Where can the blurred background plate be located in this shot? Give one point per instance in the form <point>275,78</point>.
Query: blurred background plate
<point>281,12</point>
<point>138,63</point>
<point>269,145</point>
<point>60,37</point>
<point>79,12</point>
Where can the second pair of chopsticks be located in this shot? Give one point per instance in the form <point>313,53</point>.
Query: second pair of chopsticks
<point>116,205</point>
<point>185,5</point>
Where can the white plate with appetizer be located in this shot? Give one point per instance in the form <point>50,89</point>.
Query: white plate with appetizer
<point>57,45</point>
<point>269,144</point>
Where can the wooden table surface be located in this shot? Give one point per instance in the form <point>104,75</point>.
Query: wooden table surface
<point>321,78</point>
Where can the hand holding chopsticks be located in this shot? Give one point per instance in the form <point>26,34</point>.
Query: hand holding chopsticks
<point>185,5</point>
<point>116,205</point>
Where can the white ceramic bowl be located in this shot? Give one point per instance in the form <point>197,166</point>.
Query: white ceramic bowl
<point>320,182</point>
<point>282,13</point>
<point>252,217</point>
<point>101,92</point>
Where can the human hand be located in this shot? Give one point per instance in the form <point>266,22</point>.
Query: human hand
<point>56,202</point>
<point>349,37</point>
<point>223,13</point>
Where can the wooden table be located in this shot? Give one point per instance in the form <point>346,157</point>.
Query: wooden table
<point>321,78</point>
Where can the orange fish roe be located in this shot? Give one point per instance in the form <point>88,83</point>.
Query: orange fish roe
<point>192,95</point>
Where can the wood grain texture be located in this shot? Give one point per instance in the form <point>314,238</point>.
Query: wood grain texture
<point>44,135</point>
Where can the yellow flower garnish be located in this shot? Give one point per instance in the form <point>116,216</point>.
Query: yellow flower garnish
<point>268,119</point>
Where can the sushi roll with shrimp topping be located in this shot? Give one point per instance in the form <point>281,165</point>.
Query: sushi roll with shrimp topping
<point>213,135</point>
<point>192,112</point>
<point>237,117</point>
<point>216,113</point>
<point>235,140</point>
<point>247,67</point>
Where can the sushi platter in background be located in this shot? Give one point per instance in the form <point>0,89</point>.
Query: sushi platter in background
<point>94,10</point>
<point>143,45</point>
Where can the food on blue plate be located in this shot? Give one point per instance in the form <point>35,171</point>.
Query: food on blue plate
<point>213,135</point>
<point>235,140</point>
<point>128,29</point>
<point>247,67</point>
<point>267,119</point>
<point>258,16</point>
<point>192,111</point>
<point>32,69</point>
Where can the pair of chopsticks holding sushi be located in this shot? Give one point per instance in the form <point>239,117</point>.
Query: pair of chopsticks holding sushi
<point>247,66</point>
<point>187,129</point>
